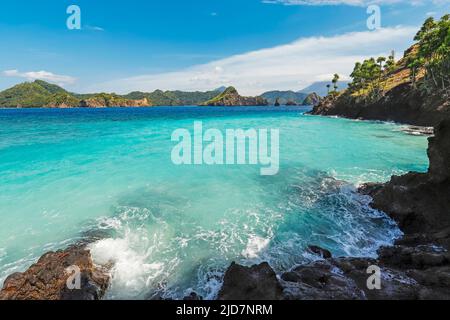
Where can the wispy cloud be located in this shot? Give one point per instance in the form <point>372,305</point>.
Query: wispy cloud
<point>94,28</point>
<point>291,66</point>
<point>352,2</point>
<point>41,75</point>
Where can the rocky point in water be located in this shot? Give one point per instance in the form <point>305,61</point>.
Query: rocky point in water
<point>416,267</point>
<point>47,279</point>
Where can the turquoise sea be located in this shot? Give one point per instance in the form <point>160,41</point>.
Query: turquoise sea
<point>71,175</point>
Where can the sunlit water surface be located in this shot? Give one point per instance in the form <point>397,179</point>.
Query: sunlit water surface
<point>69,175</point>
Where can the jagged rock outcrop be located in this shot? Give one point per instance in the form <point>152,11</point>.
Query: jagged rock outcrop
<point>407,273</point>
<point>312,99</point>
<point>230,97</point>
<point>420,202</point>
<point>277,103</point>
<point>250,283</point>
<point>47,279</point>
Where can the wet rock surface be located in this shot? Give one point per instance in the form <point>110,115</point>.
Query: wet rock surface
<point>420,202</point>
<point>258,282</point>
<point>406,273</point>
<point>417,267</point>
<point>47,279</point>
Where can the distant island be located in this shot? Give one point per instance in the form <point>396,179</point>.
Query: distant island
<point>291,98</point>
<point>231,97</point>
<point>41,94</point>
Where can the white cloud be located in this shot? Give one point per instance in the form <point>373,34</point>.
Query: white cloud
<point>286,67</point>
<point>41,75</point>
<point>351,2</point>
<point>94,28</point>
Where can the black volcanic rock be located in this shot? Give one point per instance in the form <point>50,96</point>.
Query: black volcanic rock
<point>258,282</point>
<point>323,253</point>
<point>420,202</point>
<point>417,267</point>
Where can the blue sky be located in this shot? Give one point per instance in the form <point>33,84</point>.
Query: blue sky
<point>197,44</point>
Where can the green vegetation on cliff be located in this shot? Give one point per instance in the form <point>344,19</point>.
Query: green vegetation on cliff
<point>415,89</point>
<point>433,54</point>
<point>426,65</point>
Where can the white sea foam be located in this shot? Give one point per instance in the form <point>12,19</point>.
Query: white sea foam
<point>131,272</point>
<point>254,247</point>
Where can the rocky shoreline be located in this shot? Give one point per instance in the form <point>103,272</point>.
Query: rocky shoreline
<point>416,267</point>
<point>401,104</point>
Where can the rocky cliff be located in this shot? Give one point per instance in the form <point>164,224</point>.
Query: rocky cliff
<point>420,202</point>
<point>393,96</point>
<point>401,104</point>
<point>230,97</point>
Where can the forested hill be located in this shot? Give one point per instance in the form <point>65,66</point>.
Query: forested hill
<point>414,90</point>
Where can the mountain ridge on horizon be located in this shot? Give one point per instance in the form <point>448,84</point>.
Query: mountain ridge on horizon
<point>43,94</point>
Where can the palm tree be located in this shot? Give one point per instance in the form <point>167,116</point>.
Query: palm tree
<point>380,61</point>
<point>335,81</point>
<point>328,88</point>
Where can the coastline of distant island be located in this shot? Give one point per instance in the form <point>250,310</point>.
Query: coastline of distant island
<point>42,94</point>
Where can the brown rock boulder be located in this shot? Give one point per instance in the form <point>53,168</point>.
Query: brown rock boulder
<point>47,279</point>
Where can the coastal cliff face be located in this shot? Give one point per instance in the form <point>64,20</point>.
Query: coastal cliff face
<point>47,279</point>
<point>400,104</point>
<point>230,97</point>
<point>420,203</point>
<point>392,96</point>
<point>416,267</point>
<point>102,102</point>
